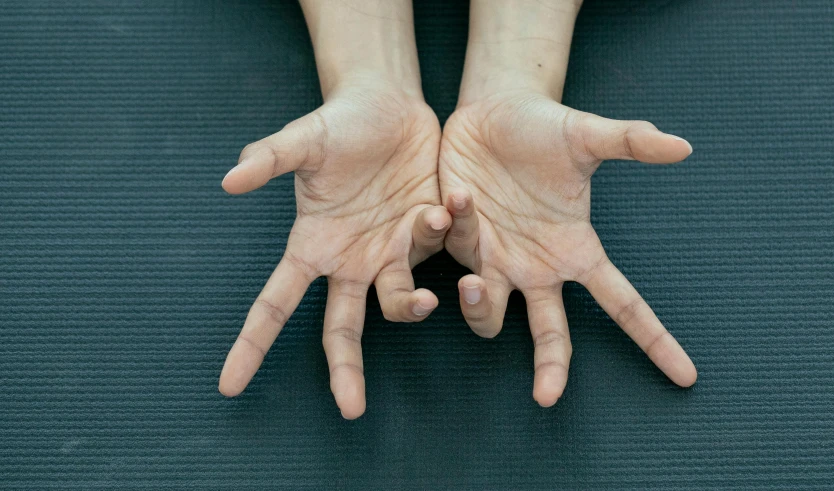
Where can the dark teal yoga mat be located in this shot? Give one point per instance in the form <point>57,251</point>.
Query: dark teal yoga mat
<point>125,271</point>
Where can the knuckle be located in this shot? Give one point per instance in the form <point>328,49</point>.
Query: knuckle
<point>628,143</point>
<point>318,135</point>
<point>477,316</point>
<point>430,239</point>
<point>300,264</point>
<point>394,304</point>
<point>453,245</point>
<point>392,315</point>
<point>628,312</point>
<point>249,150</point>
<point>549,338</point>
<point>656,341</point>
<point>628,139</point>
<point>431,234</point>
<point>558,365</point>
<point>459,233</point>
<point>574,131</point>
<point>346,365</point>
<point>253,344</point>
<point>642,126</point>
<point>276,313</point>
<point>588,273</point>
<point>342,335</point>
<point>351,288</point>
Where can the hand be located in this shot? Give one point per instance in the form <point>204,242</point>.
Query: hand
<point>369,209</point>
<point>515,172</point>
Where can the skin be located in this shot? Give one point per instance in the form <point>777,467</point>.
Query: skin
<point>368,201</point>
<point>515,172</point>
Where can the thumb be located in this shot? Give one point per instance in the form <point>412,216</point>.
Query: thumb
<point>300,145</point>
<point>609,139</point>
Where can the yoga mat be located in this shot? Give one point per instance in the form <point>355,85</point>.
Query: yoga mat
<point>126,272</point>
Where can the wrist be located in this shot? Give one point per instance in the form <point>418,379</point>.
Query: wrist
<point>357,43</point>
<point>517,45</point>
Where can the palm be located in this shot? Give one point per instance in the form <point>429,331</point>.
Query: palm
<point>367,212</point>
<point>524,162</point>
<point>377,170</point>
<point>535,229</point>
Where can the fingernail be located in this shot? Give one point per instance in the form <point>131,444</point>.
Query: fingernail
<point>420,310</point>
<point>232,171</point>
<point>436,226</point>
<point>459,203</point>
<point>472,294</point>
<point>681,139</point>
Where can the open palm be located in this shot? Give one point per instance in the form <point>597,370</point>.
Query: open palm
<point>515,172</point>
<point>368,210</point>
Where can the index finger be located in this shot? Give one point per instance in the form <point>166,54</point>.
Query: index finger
<point>620,300</point>
<point>267,316</point>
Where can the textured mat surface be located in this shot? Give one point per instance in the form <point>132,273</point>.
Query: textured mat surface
<point>125,271</point>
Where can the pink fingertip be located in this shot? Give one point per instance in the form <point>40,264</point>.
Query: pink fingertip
<point>437,225</point>
<point>459,199</point>
<point>687,143</point>
<point>472,294</point>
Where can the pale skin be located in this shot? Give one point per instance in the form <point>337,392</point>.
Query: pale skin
<point>513,173</point>
<point>368,201</point>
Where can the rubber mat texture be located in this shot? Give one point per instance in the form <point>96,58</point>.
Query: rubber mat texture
<point>126,272</point>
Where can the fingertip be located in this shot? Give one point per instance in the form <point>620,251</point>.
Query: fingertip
<point>545,399</point>
<point>241,364</point>
<point>252,172</point>
<point>464,234</point>
<point>351,401</point>
<point>671,358</point>
<point>230,384</point>
<point>649,145</point>
<point>423,302</point>
<point>353,411</point>
<point>471,280</point>
<point>437,218</point>
<point>352,408</point>
<point>428,233</point>
<point>684,145</point>
<point>688,375</point>
<point>491,334</point>
<point>674,362</point>
<point>459,202</point>
<point>348,387</point>
<point>230,182</point>
<point>477,308</point>
<point>670,149</point>
<point>227,389</point>
<point>471,288</point>
<point>548,387</point>
<point>460,195</point>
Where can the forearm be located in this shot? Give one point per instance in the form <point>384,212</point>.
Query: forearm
<point>517,44</point>
<point>357,41</point>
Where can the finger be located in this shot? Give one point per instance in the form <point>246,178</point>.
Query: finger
<point>609,139</point>
<point>462,239</point>
<point>549,327</point>
<point>343,323</point>
<point>428,233</point>
<point>483,304</point>
<point>299,145</point>
<point>621,301</point>
<point>267,316</point>
<point>399,301</point>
